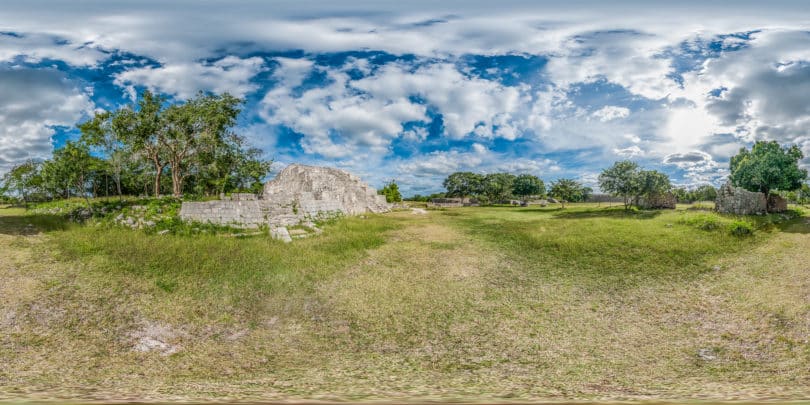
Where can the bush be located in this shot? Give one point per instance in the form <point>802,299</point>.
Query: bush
<point>706,222</point>
<point>740,228</point>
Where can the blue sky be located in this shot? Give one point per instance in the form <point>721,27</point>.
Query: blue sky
<point>414,91</point>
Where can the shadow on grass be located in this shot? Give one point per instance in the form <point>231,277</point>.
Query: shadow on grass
<point>27,225</point>
<point>607,213</point>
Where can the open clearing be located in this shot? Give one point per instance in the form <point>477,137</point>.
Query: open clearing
<point>473,303</point>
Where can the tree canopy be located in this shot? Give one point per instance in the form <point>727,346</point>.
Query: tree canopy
<point>526,185</point>
<point>768,166</point>
<point>568,190</point>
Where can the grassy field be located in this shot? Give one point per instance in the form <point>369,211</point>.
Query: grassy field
<point>492,303</point>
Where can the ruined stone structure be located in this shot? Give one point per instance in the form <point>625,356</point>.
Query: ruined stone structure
<point>736,200</point>
<point>452,202</point>
<point>777,203</point>
<point>299,194</point>
<point>657,201</point>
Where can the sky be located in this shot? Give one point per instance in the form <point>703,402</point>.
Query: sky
<point>415,90</point>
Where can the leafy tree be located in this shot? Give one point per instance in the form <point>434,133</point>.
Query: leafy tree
<point>23,179</point>
<point>768,166</point>
<point>705,192</point>
<point>100,132</point>
<point>190,128</point>
<point>391,192</point>
<point>526,185</point>
<point>498,186</point>
<point>76,166</point>
<point>142,129</point>
<point>567,190</point>
<point>621,179</point>
<point>463,184</point>
<point>650,182</point>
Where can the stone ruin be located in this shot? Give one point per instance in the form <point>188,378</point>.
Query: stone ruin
<point>299,195</point>
<point>739,201</point>
<point>657,201</point>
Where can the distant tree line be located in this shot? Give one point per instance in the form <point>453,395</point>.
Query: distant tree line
<point>149,148</point>
<point>493,188</point>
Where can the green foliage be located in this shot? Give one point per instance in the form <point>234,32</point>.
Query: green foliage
<point>740,228</point>
<point>627,180</point>
<point>463,184</point>
<point>498,186</point>
<point>23,179</point>
<point>391,192</point>
<point>526,185</point>
<point>768,166</point>
<point>567,190</point>
<point>621,179</point>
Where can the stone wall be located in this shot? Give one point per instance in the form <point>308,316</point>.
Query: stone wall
<point>736,200</point>
<point>298,194</point>
<point>657,201</point>
<point>777,203</point>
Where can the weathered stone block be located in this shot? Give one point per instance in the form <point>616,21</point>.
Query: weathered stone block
<point>736,200</point>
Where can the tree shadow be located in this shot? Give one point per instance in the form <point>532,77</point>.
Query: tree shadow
<point>607,213</point>
<point>29,225</point>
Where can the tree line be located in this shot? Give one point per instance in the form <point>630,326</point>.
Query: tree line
<point>149,148</point>
<point>492,188</point>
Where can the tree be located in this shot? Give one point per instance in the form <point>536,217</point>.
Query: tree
<point>621,179</point>
<point>23,178</point>
<point>463,184</point>
<point>75,166</point>
<point>651,182</point>
<point>567,190</point>
<point>391,192</point>
<point>705,192</point>
<point>100,132</point>
<point>768,166</point>
<point>526,185</point>
<point>142,129</point>
<point>201,123</point>
<point>498,186</point>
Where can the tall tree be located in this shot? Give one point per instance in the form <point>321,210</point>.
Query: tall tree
<point>22,178</point>
<point>142,128</point>
<point>526,185</point>
<point>652,182</point>
<point>567,190</point>
<point>100,132</point>
<point>768,166</point>
<point>621,179</point>
<point>199,124</point>
<point>463,184</point>
<point>498,186</point>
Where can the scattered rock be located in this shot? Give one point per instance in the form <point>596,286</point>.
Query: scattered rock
<point>419,211</point>
<point>706,354</point>
<point>155,338</point>
<point>149,224</point>
<point>668,226</point>
<point>716,268</point>
<point>281,234</point>
<point>163,232</point>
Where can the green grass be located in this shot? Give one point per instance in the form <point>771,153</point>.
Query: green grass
<point>490,302</point>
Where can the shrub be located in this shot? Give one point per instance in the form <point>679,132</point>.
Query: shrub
<point>740,228</point>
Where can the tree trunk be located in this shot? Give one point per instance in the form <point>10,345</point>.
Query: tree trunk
<point>177,181</point>
<point>158,174</point>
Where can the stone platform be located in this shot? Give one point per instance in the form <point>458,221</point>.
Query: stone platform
<point>297,195</point>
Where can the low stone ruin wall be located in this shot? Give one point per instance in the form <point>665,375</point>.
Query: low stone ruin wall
<point>657,201</point>
<point>739,201</point>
